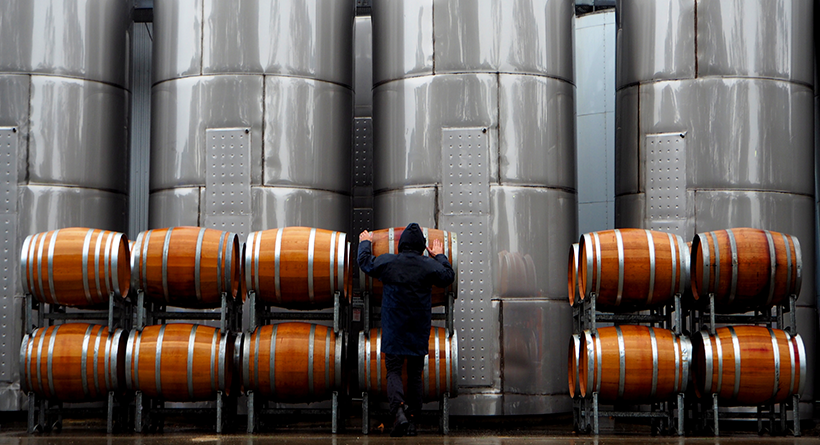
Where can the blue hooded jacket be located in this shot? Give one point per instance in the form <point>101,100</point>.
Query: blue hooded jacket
<point>408,278</point>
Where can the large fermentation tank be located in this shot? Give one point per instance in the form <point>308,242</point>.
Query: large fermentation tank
<point>252,114</point>
<point>715,111</point>
<point>473,109</point>
<point>63,136</point>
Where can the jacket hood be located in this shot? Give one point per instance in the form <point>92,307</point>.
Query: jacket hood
<point>412,239</point>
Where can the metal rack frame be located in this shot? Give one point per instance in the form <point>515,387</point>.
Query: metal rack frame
<point>149,412</point>
<point>261,313</point>
<point>443,412</point>
<point>41,412</point>
<point>709,409</point>
<point>586,412</point>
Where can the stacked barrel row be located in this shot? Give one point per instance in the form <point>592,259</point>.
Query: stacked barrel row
<point>440,374</point>
<point>633,269</point>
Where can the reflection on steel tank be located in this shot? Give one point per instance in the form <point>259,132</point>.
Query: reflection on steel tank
<point>715,130</point>
<point>63,134</point>
<point>261,95</point>
<point>474,133</point>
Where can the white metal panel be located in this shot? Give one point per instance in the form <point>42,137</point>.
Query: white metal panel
<point>227,184</point>
<point>666,182</point>
<point>9,337</point>
<point>466,186</point>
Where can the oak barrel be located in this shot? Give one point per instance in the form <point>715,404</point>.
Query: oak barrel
<point>73,362</point>
<point>75,266</point>
<point>637,364</point>
<point>632,269</point>
<point>297,267</point>
<point>573,365</point>
<point>186,266</point>
<point>293,362</point>
<point>440,373</point>
<point>179,362</point>
<point>387,241</point>
<point>749,365</point>
<point>573,291</point>
<point>745,268</point>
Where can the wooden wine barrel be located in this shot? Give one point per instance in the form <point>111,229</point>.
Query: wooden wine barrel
<point>572,275</point>
<point>636,364</point>
<point>75,266</point>
<point>440,373</point>
<point>745,268</point>
<point>297,267</point>
<point>517,275</point>
<point>179,362</point>
<point>749,365</point>
<point>73,362</point>
<point>186,266</point>
<point>573,365</point>
<point>632,269</point>
<point>293,362</point>
<point>387,241</point>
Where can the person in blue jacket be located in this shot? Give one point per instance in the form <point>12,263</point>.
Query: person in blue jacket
<point>408,278</point>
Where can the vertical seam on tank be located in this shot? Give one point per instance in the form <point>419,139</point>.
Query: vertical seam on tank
<point>28,130</point>
<point>696,38</point>
<point>264,128</point>
<point>202,38</point>
<point>433,32</point>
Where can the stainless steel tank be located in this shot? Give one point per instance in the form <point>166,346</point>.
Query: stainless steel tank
<point>719,93</point>
<point>63,136</point>
<point>474,132</point>
<point>595,119</point>
<point>252,111</point>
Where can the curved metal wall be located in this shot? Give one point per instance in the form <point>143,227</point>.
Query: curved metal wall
<point>64,74</point>
<point>283,71</point>
<point>474,131</point>
<point>720,92</point>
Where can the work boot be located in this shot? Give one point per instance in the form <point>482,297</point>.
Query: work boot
<point>400,427</point>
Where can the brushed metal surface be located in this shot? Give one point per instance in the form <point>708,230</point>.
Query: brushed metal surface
<point>656,40</point>
<point>535,346</point>
<point>408,116</point>
<point>757,38</point>
<point>508,36</point>
<point>177,39</point>
<point>14,112</point>
<point>536,118</point>
<point>402,39</point>
<point>666,182</point>
<point>300,38</point>
<point>363,74</point>
<point>596,151</point>
<point>627,164</point>
<point>86,147</point>
<point>307,121</point>
<point>398,208</point>
<point>54,207</point>
<point>181,111</point>
<point>9,326</point>
<point>281,207</point>
<point>465,188</point>
<point>227,183</point>
<point>764,143</point>
<point>140,130</point>
<point>595,216</point>
<point>85,39</point>
<point>9,152</point>
<point>175,207</point>
<point>595,62</point>
<point>477,404</point>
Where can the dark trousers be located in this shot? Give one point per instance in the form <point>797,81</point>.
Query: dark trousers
<point>395,388</point>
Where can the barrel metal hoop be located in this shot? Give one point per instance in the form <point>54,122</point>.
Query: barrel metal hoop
<point>676,348</point>
<point>801,358</point>
<point>215,360</point>
<point>272,361</point>
<point>135,262</point>
<point>706,339</point>
<point>191,344</point>
<point>40,266</point>
<point>112,352</point>
<point>379,362</point>
<point>276,261</point>
<point>332,262</point>
<point>311,255</point>
<point>446,243</point>
<point>247,265</point>
<point>51,245</point>
<point>391,248</point>
<point>107,354</point>
<point>146,242</point>
<point>437,362</point>
<point>115,264</point>
<point>597,263</point>
<point>165,249</point>
<point>703,241</point>
<point>791,360</point>
<point>454,262</point>
<point>50,362</point>
<point>719,349</point>
<point>735,267</point>
<point>620,242</point>
<point>246,359</point>
<point>776,352</point>
<point>651,245</point>
<point>599,366</point>
<point>219,266</point>
<point>198,264</point>
<point>229,266</point>
<point>362,374</point>
<point>798,263</point>
<point>86,246</point>
<point>366,363</point>
<point>674,280</point>
<point>340,274</point>
<point>590,351</point>
<point>29,349</point>
<point>39,359</point>
<point>773,265</point>
<point>736,351</point>
<point>788,263</point>
<point>30,260</point>
<point>717,260</point>
<point>107,263</point>
<point>686,361</point>
<point>158,359</point>
<point>24,264</point>
<point>426,377</point>
<point>223,360</point>
<point>327,360</point>
<point>337,359</point>
<point>621,362</point>
<point>138,383</point>
<point>84,360</point>
<point>256,357</point>
<point>129,347</point>
<point>685,263</point>
<point>654,342</point>
<point>448,374</point>
<point>311,346</point>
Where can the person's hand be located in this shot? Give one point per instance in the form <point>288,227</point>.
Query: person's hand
<point>438,248</point>
<point>366,236</point>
